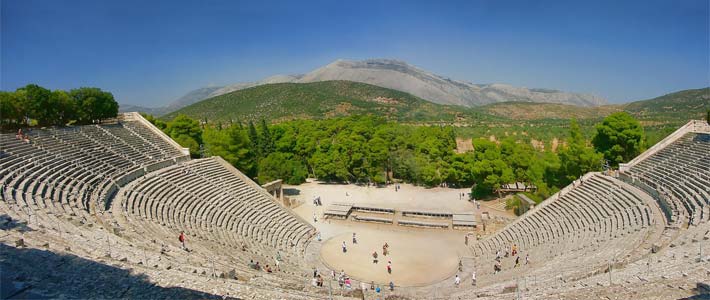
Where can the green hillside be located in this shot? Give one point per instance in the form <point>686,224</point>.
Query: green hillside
<point>322,100</point>
<point>679,106</point>
<point>685,105</point>
<point>542,111</point>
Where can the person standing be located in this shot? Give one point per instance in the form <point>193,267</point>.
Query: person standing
<point>517,261</point>
<point>389,266</point>
<point>457,280</point>
<point>391,286</point>
<point>473,278</point>
<point>345,248</point>
<point>181,238</point>
<point>374,257</point>
<point>527,259</point>
<point>354,239</point>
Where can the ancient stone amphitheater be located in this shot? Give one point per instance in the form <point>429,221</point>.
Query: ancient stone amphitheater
<point>95,212</point>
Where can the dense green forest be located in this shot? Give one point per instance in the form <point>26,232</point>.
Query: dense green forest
<point>34,105</point>
<point>369,149</point>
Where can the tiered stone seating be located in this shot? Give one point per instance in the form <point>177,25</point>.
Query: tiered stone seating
<point>599,219</point>
<point>60,168</point>
<point>680,173</point>
<point>207,199</point>
<point>51,182</point>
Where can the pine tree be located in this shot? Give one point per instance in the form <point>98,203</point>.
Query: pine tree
<point>254,140</point>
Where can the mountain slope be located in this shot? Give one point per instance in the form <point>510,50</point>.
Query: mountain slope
<point>318,100</point>
<point>192,97</point>
<point>399,75</point>
<point>686,104</point>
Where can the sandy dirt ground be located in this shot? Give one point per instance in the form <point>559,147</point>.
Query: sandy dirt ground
<point>419,256</point>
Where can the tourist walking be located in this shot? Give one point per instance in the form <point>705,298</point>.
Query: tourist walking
<point>391,286</point>
<point>457,280</point>
<point>374,257</point>
<point>389,266</point>
<point>517,261</point>
<point>345,248</point>
<point>354,239</point>
<point>473,278</point>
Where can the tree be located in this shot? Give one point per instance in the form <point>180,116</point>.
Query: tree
<point>254,140</point>
<point>157,122</point>
<point>232,144</point>
<point>93,104</point>
<point>577,158</point>
<point>266,143</point>
<point>619,137</point>
<point>489,169</point>
<point>186,132</point>
<point>64,107</point>
<point>279,165</point>
<point>38,104</point>
<point>13,109</point>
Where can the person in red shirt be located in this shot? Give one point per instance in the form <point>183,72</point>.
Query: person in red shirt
<point>182,239</point>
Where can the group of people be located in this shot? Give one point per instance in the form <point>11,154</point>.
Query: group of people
<point>457,279</point>
<point>385,252</point>
<point>498,265</point>
<point>257,266</point>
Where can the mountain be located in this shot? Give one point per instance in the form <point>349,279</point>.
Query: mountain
<point>404,77</point>
<point>189,98</point>
<point>192,97</point>
<point>322,99</point>
<point>401,76</point>
<point>156,111</point>
<point>240,86</point>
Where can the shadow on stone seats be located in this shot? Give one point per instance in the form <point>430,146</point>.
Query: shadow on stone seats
<point>8,223</point>
<point>41,274</point>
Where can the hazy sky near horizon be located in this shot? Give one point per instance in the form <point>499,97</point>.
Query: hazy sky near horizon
<point>151,52</point>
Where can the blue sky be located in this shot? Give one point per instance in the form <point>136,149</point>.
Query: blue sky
<point>152,52</point>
